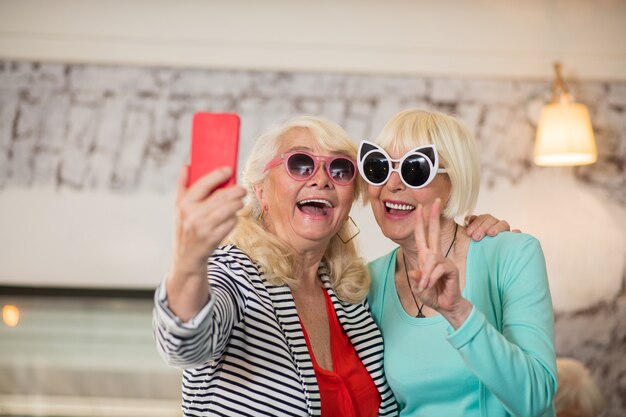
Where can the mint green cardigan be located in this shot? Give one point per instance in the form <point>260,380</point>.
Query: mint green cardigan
<point>507,342</point>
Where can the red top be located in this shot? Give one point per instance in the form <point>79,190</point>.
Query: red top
<point>347,390</point>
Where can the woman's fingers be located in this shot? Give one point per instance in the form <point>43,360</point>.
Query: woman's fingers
<point>204,217</point>
<point>437,289</point>
<point>220,206</point>
<point>206,185</point>
<point>423,282</point>
<point>469,219</point>
<point>203,224</point>
<point>472,225</point>
<point>420,233</point>
<point>415,278</point>
<point>428,248</point>
<point>479,225</point>
<point>485,224</point>
<point>440,270</point>
<point>217,234</point>
<point>432,241</point>
<point>219,199</point>
<point>434,226</point>
<point>501,226</point>
<point>427,262</point>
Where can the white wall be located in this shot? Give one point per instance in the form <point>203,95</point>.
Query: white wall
<point>485,38</point>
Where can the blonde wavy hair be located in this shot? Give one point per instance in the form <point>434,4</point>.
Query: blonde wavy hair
<point>454,143</point>
<point>348,272</point>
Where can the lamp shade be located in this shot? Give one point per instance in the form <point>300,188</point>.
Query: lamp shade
<point>564,135</point>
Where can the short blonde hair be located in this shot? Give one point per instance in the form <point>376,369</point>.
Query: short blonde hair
<point>454,143</point>
<point>348,272</point>
<point>577,394</point>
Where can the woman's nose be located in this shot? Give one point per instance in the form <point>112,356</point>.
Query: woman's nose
<point>394,183</point>
<point>320,178</point>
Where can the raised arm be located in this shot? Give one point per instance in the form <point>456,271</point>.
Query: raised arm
<point>191,320</point>
<point>204,216</point>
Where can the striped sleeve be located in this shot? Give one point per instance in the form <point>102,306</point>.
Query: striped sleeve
<point>205,336</point>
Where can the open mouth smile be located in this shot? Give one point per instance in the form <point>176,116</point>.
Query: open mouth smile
<point>315,206</point>
<point>398,208</point>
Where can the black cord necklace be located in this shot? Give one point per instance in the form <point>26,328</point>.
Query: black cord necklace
<point>421,315</point>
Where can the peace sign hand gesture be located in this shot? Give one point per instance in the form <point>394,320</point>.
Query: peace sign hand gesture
<point>436,282</point>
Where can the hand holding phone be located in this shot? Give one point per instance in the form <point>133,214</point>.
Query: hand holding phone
<point>214,144</point>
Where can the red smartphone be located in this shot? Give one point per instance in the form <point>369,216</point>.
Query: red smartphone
<point>214,144</point>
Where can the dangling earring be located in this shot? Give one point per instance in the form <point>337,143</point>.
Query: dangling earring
<point>259,219</point>
<point>353,236</point>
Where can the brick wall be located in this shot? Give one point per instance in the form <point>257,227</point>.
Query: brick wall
<point>124,130</point>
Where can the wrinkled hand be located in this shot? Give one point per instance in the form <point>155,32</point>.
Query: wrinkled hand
<point>204,216</point>
<point>436,282</point>
<point>483,225</point>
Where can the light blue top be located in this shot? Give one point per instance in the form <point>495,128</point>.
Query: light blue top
<point>500,362</point>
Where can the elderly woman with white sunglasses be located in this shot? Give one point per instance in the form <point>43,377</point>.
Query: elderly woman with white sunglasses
<point>467,326</point>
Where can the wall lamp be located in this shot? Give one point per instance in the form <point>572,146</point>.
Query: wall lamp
<point>564,133</point>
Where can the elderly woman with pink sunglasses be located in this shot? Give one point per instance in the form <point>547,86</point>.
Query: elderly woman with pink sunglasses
<point>280,327</point>
<point>467,326</point>
<point>273,320</point>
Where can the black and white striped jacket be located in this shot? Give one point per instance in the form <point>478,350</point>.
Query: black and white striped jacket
<point>245,354</point>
